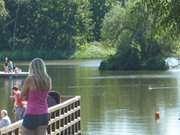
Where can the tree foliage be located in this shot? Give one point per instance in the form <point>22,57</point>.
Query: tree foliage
<point>167,12</point>
<point>133,30</point>
<point>2,9</point>
<point>99,8</point>
<point>142,30</point>
<point>55,24</point>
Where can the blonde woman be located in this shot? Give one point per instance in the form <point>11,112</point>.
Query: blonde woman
<point>36,87</point>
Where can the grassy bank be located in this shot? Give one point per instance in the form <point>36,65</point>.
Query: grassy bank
<point>30,54</point>
<point>93,50</point>
<point>87,51</point>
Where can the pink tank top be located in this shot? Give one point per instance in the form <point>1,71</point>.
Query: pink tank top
<point>37,102</point>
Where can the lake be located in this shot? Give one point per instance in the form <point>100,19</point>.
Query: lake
<point>113,102</point>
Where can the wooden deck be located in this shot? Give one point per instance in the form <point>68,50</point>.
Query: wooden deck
<point>64,119</point>
<point>13,74</point>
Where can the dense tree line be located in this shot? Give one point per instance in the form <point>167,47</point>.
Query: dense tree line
<point>144,32</point>
<point>39,25</point>
<point>61,25</point>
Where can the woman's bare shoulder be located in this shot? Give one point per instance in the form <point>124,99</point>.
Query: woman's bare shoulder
<point>29,83</point>
<point>29,79</point>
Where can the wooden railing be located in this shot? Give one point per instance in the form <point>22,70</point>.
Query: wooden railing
<point>64,119</point>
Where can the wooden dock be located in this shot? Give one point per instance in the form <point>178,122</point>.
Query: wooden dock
<point>64,119</point>
<point>13,74</point>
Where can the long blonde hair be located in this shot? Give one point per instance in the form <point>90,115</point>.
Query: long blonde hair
<point>37,69</point>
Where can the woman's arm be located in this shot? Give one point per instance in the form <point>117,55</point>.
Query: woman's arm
<point>50,83</point>
<point>24,93</point>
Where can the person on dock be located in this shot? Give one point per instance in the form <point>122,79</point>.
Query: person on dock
<point>5,120</point>
<point>36,88</point>
<point>6,61</point>
<point>19,103</point>
<point>11,66</point>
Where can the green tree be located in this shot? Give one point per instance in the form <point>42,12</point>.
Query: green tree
<point>168,20</point>
<point>42,25</point>
<point>2,9</point>
<point>84,23</point>
<point>3,15</point>
<point>167,12</point>
<point>99,8</point>
<point>133,30</point>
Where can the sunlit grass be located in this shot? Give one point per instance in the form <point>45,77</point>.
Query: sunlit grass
<point>93,50</point>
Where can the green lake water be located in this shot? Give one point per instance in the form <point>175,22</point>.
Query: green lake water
<point>113,102</point>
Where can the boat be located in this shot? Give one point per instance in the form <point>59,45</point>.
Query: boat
<point>13,74</point>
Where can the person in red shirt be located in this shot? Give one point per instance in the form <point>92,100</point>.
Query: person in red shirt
<point>19,103</point>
